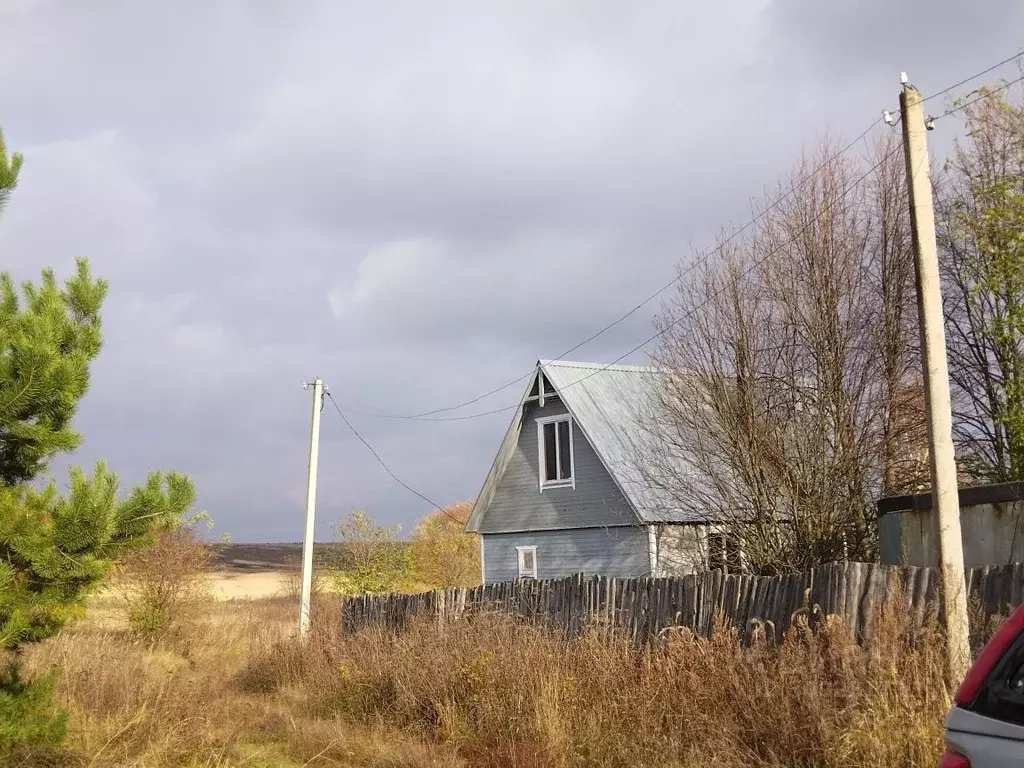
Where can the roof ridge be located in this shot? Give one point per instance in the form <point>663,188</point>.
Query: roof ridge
<point>599,366</point>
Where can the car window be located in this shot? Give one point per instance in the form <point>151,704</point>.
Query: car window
<point>1003,695</point>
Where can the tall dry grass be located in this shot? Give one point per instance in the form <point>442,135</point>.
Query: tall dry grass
<point>176,700</point>
<point>241,690</point>
<point>505,694</point>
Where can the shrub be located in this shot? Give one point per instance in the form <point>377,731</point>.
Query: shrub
<point>443,554</point>
<point>162,584</point>
<point>375,560</point>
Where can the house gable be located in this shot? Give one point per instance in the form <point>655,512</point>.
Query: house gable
<point>512,499</point>
<point>519,504</point>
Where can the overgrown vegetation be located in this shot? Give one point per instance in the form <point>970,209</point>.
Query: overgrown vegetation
<point>795,395</point>
<point>794,392</point>
<point>373,559</point>
<point>239,690</point>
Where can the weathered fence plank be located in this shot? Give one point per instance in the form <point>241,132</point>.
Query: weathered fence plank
<point>640,608</point>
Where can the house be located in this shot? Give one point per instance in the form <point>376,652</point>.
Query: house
<point>566,492</point>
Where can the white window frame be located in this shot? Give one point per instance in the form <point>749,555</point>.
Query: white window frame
<point>483,568</point>
<point>520,552</point>
<point>570,481</point>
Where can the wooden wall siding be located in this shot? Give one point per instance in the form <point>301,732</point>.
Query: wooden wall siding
<point>642,607</point>
<point>519,505</point>
<point>622,551</point>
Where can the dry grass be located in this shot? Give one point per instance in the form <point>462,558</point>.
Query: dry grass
<point>177,701</point>
<point>238,690</point>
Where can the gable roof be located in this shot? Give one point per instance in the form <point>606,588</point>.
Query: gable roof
<point>607,404</point>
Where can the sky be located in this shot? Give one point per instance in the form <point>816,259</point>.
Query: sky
<point>413,201</point>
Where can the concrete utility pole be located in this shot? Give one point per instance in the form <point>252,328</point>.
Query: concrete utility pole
<point>307,541</point>
<point>945,496</point>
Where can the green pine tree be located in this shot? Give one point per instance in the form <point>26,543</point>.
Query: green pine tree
<point>55,547</point>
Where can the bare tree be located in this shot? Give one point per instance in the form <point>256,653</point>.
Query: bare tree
<point>791,397</point>
<point>981,237</point>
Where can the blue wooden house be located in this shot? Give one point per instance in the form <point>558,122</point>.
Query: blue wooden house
<point>566,492</point>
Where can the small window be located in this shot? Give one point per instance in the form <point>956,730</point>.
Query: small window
<point>527,562</point>
<point>724,552</point>
<point>557,458</point>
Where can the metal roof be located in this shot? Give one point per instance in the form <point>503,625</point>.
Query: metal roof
<point>609,404</point>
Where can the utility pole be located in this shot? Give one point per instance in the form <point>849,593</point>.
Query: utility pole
<point>945,496</point>
<point>307,541</point>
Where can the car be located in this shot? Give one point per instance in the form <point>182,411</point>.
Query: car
<point>985,726</point>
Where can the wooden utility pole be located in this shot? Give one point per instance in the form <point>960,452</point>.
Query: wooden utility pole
<point>945,496</point>
<point>307,540</point>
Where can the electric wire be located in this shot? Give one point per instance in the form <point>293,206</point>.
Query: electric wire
<point>426,415</point>
<point>383,463</point>
<point>744,273</point>
<point>622,318</point>
<point>981,97</point>
<point>690,313</point>
<point>685,316</point>
<point>759,262</point>
<point>975,76</point>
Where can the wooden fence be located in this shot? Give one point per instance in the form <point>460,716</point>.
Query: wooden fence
<point>642,607</point>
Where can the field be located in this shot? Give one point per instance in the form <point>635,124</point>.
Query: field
<point>254,571</point>
<point>234,687</point>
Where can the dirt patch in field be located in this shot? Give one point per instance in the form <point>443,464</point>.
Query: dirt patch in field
<point>230,585</point>
<point>258,571</point>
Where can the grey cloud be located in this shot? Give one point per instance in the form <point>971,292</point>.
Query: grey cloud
<point>937,43</point>
<point>413,291</point>
<point>414,202</point>
<point>172,74</point>
<point>76,196</point>
<point>471,124</point>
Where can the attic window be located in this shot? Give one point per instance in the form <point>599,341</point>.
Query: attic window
<point>556,456</point>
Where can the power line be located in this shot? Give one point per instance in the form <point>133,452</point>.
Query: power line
<point>478,398</point>
<point>985,95</point>
<point>696,263</point>
<point>744,273</point>
<point>644,343</point>
<point>975,76</point>
<point>687,315</point>
<point>966,80</point>
<point>387,469</point>
<point>466,417</point>
<point>704,303</point>
<point>425,416</point>
<point>475,415</point>
<point>759,262</point>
